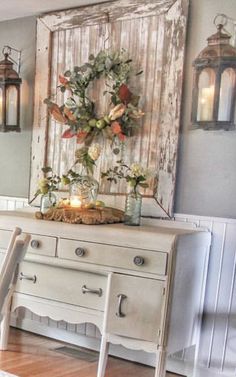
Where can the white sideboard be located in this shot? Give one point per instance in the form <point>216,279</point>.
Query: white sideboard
<point>143,287</point>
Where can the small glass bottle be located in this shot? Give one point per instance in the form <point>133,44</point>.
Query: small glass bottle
<point>48,200</point>
<point>133,207</point>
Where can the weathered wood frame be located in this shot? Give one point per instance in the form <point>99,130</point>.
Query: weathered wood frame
<point>160,204</point>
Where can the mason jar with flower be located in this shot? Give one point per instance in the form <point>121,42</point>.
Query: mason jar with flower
<point>46,187</point>
<point>83,188</point>
<point>133,202</point>
<point>136,177</point>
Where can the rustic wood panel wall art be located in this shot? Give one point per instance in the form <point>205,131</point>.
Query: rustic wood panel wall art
<point>153,33</point>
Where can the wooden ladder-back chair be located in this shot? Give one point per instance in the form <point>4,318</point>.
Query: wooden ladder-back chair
<point>8,273</point>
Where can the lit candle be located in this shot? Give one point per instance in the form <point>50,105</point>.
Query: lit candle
<point>206,103</point>
<point>75,201</point>
<point>11,106</point>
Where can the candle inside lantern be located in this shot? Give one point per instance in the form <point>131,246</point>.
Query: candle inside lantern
<point>11,105</point>
<point>205,109</point>
<point>75,201</point>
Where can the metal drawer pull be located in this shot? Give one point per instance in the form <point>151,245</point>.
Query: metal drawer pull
<point>120,299</point>
<point>139,261</point>
<point>80,251</point>
<point>93,291</point>
<point>28,277</point>
<point>35,244</point>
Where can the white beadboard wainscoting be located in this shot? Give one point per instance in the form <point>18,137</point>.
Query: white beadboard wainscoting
<point>11,204</point>
<point>218,338</point>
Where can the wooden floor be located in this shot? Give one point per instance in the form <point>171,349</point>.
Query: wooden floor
<point>35,356</point>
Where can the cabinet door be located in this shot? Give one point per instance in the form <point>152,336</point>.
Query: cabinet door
<point>135,307</point>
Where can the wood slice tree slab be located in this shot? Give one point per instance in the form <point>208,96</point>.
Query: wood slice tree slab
<point>88,216</point>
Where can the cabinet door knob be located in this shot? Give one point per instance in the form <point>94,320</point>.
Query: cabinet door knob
<point>28,277</point>
<point>35,244</point>
<point>119,311</point>
<point>139,261</point>
<point>80,251</point>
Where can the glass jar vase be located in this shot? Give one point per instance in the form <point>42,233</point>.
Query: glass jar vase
<point>83,190</point>
<point>48,200</point>
<point>133,205</point>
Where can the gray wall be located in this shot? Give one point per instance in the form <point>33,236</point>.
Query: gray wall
<point>15,147</point>
<point>206,177</point>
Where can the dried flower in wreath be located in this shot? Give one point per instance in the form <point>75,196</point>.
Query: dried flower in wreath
<point>79,112</point>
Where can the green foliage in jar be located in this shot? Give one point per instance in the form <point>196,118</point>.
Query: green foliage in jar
<point>135,175</point>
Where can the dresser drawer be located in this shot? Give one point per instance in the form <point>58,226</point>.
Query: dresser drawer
<point>41,245</point>
<point>114,256</point>
<point>58,284</point>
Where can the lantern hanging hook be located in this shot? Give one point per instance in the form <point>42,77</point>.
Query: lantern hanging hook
<point>7,51</point>
<point>220,20</point>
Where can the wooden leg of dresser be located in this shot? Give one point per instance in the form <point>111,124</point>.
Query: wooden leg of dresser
<point>160,370</point>
<point>103,357</point>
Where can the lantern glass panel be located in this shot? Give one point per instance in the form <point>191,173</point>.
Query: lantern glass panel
<point>206,89</point>
<point>1,109</point>
<point>11,106</point>
<point>226,94</point>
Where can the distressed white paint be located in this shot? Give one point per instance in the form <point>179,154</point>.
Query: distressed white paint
<point>154,35</point>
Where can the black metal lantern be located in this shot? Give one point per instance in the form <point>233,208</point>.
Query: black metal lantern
<point>9,94</point>
<point>214,91</point>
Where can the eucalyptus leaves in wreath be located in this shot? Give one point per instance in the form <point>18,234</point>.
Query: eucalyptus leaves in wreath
<point>79,111</point>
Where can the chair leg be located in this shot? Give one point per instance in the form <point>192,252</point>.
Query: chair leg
<point>103,357</point>
<point>5,324</point>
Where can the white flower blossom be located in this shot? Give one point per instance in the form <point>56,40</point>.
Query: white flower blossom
<point>94,151</point>
<point>137,169</point>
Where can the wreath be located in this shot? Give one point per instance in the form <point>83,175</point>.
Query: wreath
<point>78,112</point>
